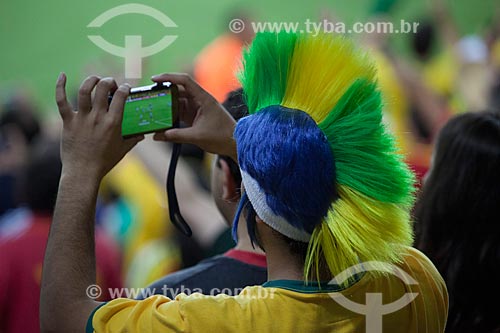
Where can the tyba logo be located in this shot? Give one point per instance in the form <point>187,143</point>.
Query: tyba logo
<point>374,309</point>
<point>132,51</point>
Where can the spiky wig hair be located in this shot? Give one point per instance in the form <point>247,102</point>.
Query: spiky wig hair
<point>317,162</point>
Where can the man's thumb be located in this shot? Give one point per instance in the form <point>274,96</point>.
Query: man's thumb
<point>179,135</point>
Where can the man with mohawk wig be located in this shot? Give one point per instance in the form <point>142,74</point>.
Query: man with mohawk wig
<point>325,193</point>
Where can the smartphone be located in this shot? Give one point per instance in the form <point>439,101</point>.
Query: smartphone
<point>150,109</point>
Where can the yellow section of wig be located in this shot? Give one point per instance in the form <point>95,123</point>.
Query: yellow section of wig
<point>321,71</point>
<point>358,229</point>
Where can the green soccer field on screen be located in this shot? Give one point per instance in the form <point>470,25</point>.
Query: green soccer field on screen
<point>147,112</point>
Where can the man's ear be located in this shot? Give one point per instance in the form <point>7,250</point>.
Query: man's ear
<point>229,186</point>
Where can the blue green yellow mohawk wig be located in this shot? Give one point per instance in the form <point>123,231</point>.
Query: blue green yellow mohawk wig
<point>317,162</point>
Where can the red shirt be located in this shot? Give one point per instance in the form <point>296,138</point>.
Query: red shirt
<point>21,259</point>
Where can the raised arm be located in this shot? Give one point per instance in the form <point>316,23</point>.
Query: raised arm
<point>91,145</point>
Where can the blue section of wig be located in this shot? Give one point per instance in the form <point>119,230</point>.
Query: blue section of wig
<point>241,205</point>
<point>289,156</point>
<point>250,219</point>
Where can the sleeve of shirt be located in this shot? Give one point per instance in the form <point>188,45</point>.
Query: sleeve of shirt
<point>154,314</point>
<point>433,295</point>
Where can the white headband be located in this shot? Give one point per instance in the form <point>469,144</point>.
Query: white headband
<point>258,199</point>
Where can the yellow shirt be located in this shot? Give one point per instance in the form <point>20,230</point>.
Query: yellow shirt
<point>289,306</point>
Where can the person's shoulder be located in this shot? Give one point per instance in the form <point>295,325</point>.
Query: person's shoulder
<point>418,260</point>
<point>183,275</point>
<point>201,267</point>
<point>420,267</point>
<point>217,264</point>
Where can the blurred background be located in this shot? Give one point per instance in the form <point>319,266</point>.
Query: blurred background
<point>449,66</point>
<point>41,39</point>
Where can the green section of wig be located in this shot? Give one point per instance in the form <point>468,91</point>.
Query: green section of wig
<point>266,64</point>
<point>366,158</point>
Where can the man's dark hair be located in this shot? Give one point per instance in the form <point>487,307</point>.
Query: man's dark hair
<point>457,219</point>
<point>423,40</point>
<point>495,92</point>
<point>23,116</point>
<point>41,177</point>
<point>297,248</point>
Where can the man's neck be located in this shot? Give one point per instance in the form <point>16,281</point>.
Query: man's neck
<point>281,265</point>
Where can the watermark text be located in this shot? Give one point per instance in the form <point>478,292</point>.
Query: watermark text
<point>325,26</point>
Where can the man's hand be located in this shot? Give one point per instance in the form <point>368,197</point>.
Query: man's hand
<point>211,126</point>
<point>91,140</point>
<point>91,146</point>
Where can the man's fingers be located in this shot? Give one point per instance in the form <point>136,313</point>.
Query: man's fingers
<point>182,92</point>
<point>191,87</point>
<point>178,135</point>
<point>65,109</point>
<point>118,103</point>
<point>186,114</point>
<point>84,94</point>
<point>131,142</point>
<point>103,89</point>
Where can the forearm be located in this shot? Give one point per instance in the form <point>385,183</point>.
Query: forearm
<point>446,27</point>
<point>425,100</point>
<point>91,145</point>
<point>69,266</point>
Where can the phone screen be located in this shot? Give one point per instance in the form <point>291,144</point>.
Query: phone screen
<point>147,111</point>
